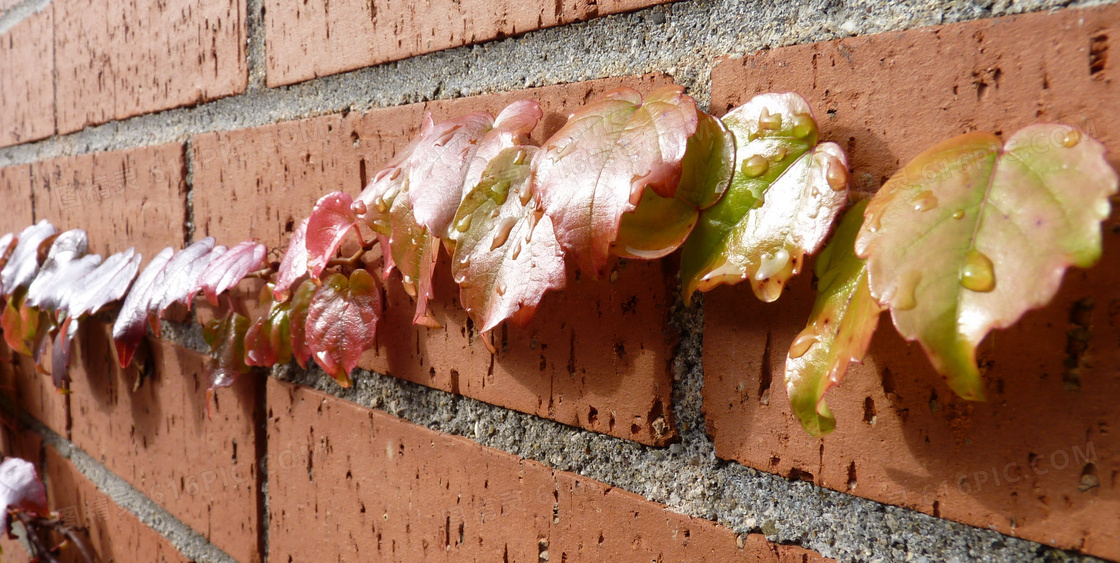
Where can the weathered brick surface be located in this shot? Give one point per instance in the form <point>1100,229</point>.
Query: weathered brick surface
<point>261,182</point>
<point>15,184</point>
<point>1038,459</point>
<point>310,39</point>
<point>388,489</point>
<point>27,95</point>
<point>120,59</point>
<point>125,198</point>
<point>159,439</point>
<point>32,392</point>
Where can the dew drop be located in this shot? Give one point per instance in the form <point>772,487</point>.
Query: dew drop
<point>396,172</point>
<point>464,223</point>
<point>803,125</point>
<point>772,264</point>
<point>465,262</point>
<point>768,121</point>
<point>1071,139</point>
<point>837,175</point>
<point>925,201</point>
<point>905,298</point>
<point>495,212</point>
<point>358,207</point>
<point>816,211</point>
<point>780,153</point>
<point>520,158</point>
<point>501,289</point>
<point>503,232</point>
<point>516,249</point>
<point>801,344</point>
<point>501,192</point>
<point>755,166</point>
<point>409,288</point>
<point>380,205</point>
<point>978,273</point>
<point>958,214</point>
<point>526,194</point>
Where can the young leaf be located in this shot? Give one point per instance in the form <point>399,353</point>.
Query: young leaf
<point>108,283</point>
<point>67,247</point>
<point>128,329</point>
<point>268,341</point>
<point>970,235</point>
<point>506,253</point>
<point>840,328</point>
<point>20,488</point>
<point>334,216</point>
<point>297,321</point>
<point>342,322</point>
<point>60,353</point>
<point>595,168</point>
<point>8,244</point>
<point>294,265</point>
<point>177,282</point>
<point>24,262</point>
<point>225,271</point>
<point>708,164</point>
<point>783,198</point>
<point>226,337</point>
<point>390,182</point>
<point>511,129</point>
<point>437,168</point>
<point>414,251</point>
<point>21,322</point>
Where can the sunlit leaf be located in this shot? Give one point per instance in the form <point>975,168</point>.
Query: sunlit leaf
<point>66,261</point>
<point>414,252</point>
<point>60,353</point>
<point>294,265</point>
<point>437,168</point>
<point>178,281</point>
<point>657,227</point>
<point>24,261</point>
<point>342,322</point>
<point>708,164</point>
<point>780,206</point>
<point>226,337</point>
<point>388,184</point>
<point>20,487</point>
<point>506,253</point>
<point>108,283</point>
<point>128,329</point>
<point>269,341</point>
<point>332,218</point>
<point>971,234</point>
<point>297,321</point>
<point>8,245</point>
<point>227,270</point>
<point>595,168</point>
<point>839,331</point>
<point>511,128</point>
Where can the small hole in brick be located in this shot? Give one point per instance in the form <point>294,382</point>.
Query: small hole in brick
<point>869,411</point>
<point>634,428</point>
<point>1098,54</point>
<point>592,415</point>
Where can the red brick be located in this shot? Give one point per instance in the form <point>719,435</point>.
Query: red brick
<point>33,392</point>
<point>307,40</point>
<point>27,98</point>
<point>120,59</point>
<point>111,532</point>
<point>261,182</point>
<point>18,442</point>
<point>158,437</point>
<point>902,436</point>
<point>389,489</point>
<point>15,181</point>
<point>134,197</point>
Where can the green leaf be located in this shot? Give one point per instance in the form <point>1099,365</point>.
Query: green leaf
<point>506,252</point>
<point>971,234</point>
<point>786,192</point>
<point>269,341</point>
<point>297,321</point>
<point>839,331</point>
<point>226,337</point>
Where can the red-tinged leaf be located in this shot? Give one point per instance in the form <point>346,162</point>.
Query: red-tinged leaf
<point>297,322</point>
<point>506,253</point>
<point>227,270</point>
<point>108,283</point>
<point>595,168</point>
<point>269,340</point>
<point>333,217</point>
<point>21,324</point>
<point>438,165</point>
<point>382,191</point>
<point>226,337</point>
<point>294,265</point>
<point>20,487</point>
<point>342,322</point>
<point>785,194</point>
<point>178,280</point>
<point>65,263</point>
<point>840,328</point>
<point>973,233</point>
<point>511,129</point>
<point>60,353</point>
<point>7,245</point>
<point>128,330</point>
<point>414,252</point>
<point>657,227</point>
<point>24,262</point>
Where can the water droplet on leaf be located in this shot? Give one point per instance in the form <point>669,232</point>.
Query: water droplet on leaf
<point>379,205</point>
<point>464,223</point>
<point>837,175</point>
<point>358,207</point>
<point>801,344</point>
<point>905,297</point>
<point>503,232</point>
<point>768,121</point>
<point>1071,139</point>
<point>958,214</point>
<point>501,289</point>
<point>772,264</point>
<point>755,166</point>
<point>978,274</point>
<point>925,201</point>
<point>803,125</point>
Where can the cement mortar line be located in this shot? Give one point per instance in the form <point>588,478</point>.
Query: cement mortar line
<point>189,542</point>
<point>681,39</point>
<point>687,477</point>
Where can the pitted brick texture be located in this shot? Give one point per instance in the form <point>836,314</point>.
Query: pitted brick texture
<point>310,39</point>
<point>15,183</point>
<point>27,92</point>
<point>1039,459</point>
<point>120,59</point>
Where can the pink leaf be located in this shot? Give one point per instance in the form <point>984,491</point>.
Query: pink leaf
<point>24,262</point>
<point>21,488</point>
<point>328,224</point>
<point>438,166</point>
<point>108,283</point>
<point>342,322</point>
<point>227,270</point>
<point>511,128</point>
<point>128,330</point>
<point>177,282</point>
<point>294,265</point>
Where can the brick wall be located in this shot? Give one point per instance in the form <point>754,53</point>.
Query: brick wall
<point>619,425</point>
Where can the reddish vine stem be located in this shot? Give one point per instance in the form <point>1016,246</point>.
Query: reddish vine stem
<point>41,550</point>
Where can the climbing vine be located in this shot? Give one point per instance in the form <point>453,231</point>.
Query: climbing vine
<point>964,239</point>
